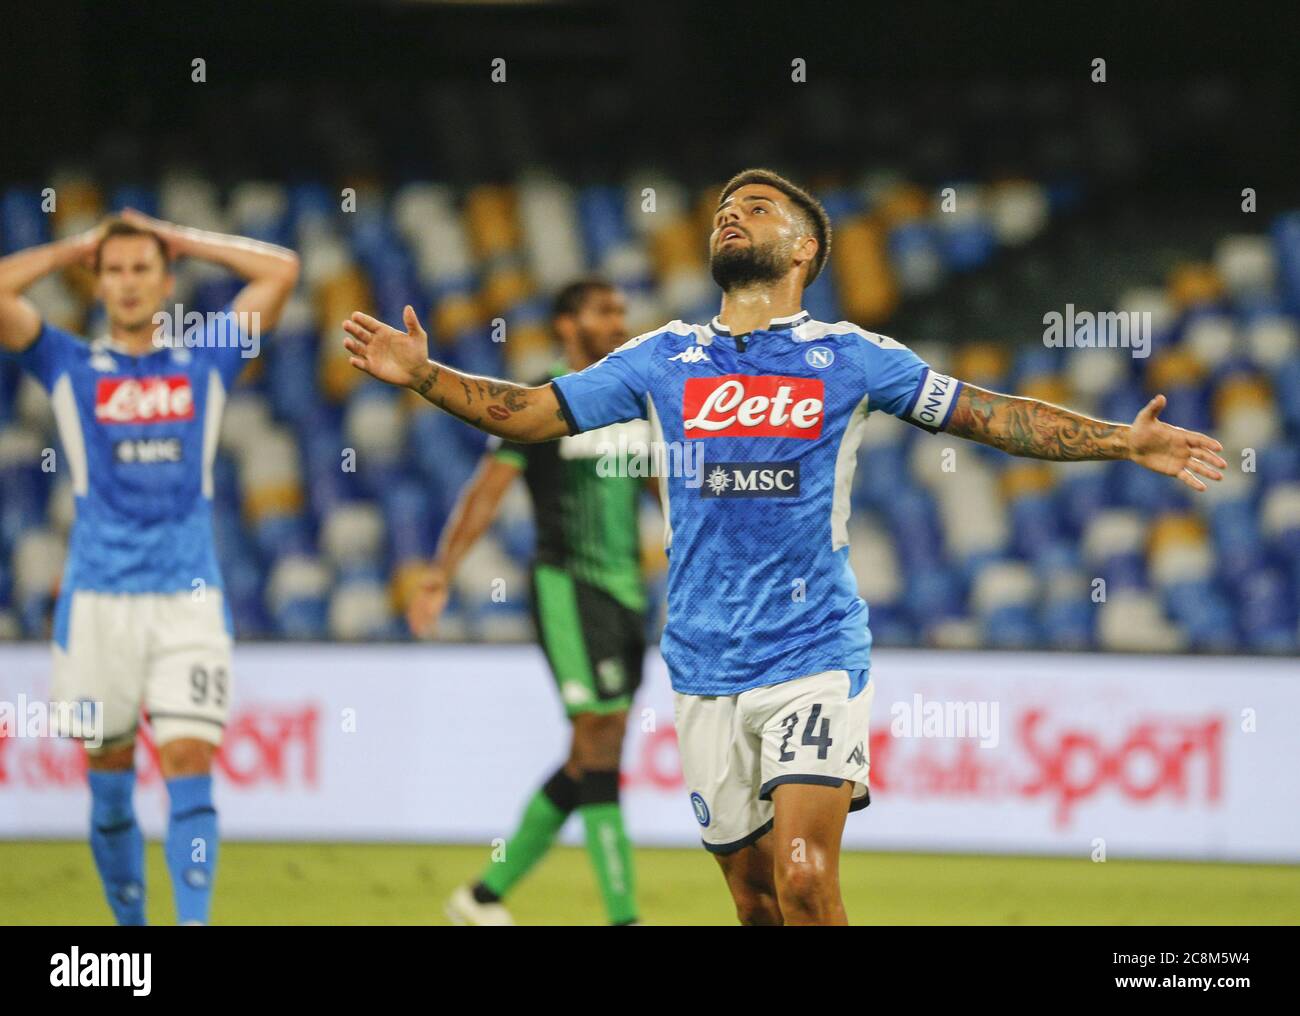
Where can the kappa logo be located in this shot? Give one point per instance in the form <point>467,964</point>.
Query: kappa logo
<point>695,354</point>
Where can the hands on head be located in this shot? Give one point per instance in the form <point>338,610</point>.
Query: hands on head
<point>86,244</point>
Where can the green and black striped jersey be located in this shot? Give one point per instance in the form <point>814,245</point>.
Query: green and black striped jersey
<point>586,506</point>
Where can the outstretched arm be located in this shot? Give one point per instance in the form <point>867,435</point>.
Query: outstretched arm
<point>20,321</point>
<point>1040,430</point>
<point>475,509</point>
<point>271,271</point>
<point>515,412</point>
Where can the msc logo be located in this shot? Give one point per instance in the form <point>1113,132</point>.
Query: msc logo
<point>701,809</point>
<point>695,354</point>
<point>752,479</point>
<point>148,450</point>
<point>819,357</point>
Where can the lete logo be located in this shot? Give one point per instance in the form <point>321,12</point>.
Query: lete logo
<point>740,405</point>
<point>144,400</point>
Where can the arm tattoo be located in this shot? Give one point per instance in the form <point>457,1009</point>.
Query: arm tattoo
<point>500,399</point>
<point>426,382</point>
<point>1033,429</point>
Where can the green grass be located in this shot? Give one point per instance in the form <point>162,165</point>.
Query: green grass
<point>292,883</point>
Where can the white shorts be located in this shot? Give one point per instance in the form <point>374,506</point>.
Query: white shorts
<point>736,748</point>
<point>169,653</point>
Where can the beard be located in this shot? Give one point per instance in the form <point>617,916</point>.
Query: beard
<point>738,267</point>
<point>595,348</point>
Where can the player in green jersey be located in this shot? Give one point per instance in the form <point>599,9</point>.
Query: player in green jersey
<point>589,603</point>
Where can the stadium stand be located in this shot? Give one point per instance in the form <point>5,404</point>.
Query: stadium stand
<point>331,488</point>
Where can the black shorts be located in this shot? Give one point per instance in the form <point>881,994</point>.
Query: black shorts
<point>594,644</point>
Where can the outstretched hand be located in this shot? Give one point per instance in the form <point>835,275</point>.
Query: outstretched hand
<point>385,353</point>
<point>1164,448</point>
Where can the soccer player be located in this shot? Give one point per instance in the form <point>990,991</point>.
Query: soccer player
<point>766,639</point>
<point>140,619</point>
<point>589,605</point>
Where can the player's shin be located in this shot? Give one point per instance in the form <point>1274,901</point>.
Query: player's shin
<point>608,845</point>
<point>191,846</point>
<point>116,843</point>
<point>541,823</point>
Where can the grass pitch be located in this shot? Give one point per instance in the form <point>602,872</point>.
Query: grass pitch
<point>313,883</point>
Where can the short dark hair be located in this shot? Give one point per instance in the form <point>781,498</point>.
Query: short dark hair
<point>119,227</point>
<point>570,298</point>
<point>807,205</point>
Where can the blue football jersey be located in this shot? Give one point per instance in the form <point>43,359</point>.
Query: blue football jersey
<point>139,436</point>
<point>760,589</point>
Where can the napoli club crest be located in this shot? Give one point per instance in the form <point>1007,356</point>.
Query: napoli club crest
<point>819,357</point>
<point>701,809</point>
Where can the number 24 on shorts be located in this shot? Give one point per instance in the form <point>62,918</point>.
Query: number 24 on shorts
<point>812,736</point>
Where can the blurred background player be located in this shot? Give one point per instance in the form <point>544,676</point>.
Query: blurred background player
<point>589,606</point>
<point>140,619</point>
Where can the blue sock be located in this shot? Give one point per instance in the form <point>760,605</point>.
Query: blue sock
<point>116,843</point>
<point>192,846</point>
